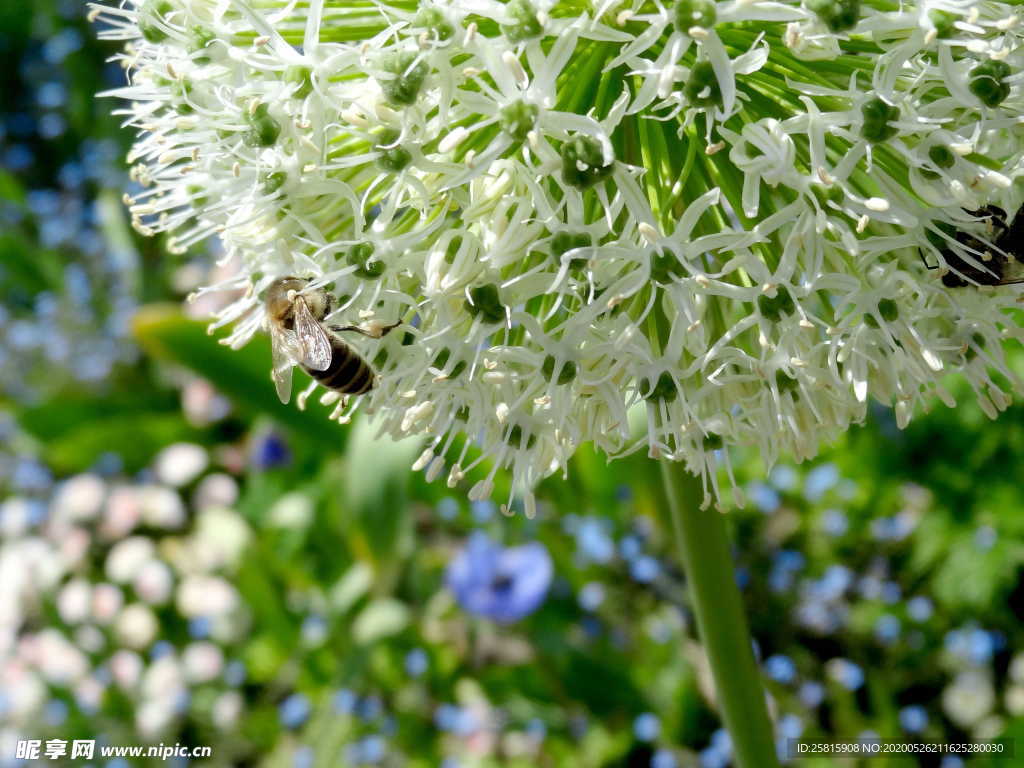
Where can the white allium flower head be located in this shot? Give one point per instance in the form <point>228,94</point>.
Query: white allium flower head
<point>746,217</point>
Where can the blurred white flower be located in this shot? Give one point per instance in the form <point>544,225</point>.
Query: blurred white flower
<point>74,601</point>
<point>123,512</point>
<point>161,507</point>
<point>205,596</point>
<point>126,669</point>
<point>215,490</point>
<point>107,600</point>
<point>137,626</point>
<point>78,499</point>
<point>154,582</point>
<point>226,709</point>
<point>127,558</point>
<point>202,662</point>
<point>969,698</point>
<point>180,463</point>
<point>58,661</point>
<point>293,510</point>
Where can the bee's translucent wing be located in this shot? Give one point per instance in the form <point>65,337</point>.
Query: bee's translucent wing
<point>316,347</point>
<point>283,352</point>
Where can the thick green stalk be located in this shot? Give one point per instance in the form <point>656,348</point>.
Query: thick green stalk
<point>707,561</point>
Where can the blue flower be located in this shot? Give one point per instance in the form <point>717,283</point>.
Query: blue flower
<point>294,710</point>
<point>501,584</point>
<point>663,759</point>
<point>780,668</point>
<point>416,662</point>
<point>646,727</point>
<point>593,541</point>
<point>269,451</point>
<point>913,718</point>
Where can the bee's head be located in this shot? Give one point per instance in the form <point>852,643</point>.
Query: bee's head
<point>280,298</point>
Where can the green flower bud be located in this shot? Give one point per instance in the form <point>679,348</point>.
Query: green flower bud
<point>432,20</point>
<point>152,12</point>
<point>486,303</point>
<point>409,72</point>
<point>565,374</point>
<point>785,382</point>
<point>453,249</point>
<point>701,87</point>
<point>563,242</point>
<point>666,267</point>
<point>775,307</point>
<point>201,39</point>
<point>583,162</point>
<point>272,182</point>
<point>180,91</point>
<point>943,22</point>
<point>264,130</point>
<point>695,13</point>
<point>941,156</point>
<point>838,15</point>
<point>303,76</point>
<point>518,119</point>
<point>988,82</point>
<point>360,256</point>
<point>877,116</point>
<point>393,157</point>
<point>525,23</point>
<point>664,388</point>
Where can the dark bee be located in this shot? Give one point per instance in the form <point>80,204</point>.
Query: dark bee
<point>299,336</point>
<point>1000,254</point>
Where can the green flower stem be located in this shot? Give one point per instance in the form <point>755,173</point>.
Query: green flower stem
<point>715,597</point>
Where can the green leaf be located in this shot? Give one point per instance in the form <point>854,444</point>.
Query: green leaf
<point>381,618</point>
<point>376,475</point>
<point>241,375</point>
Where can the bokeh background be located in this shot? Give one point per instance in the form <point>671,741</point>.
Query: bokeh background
<point>184,560</point>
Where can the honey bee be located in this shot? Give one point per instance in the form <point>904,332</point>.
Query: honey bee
<point>1003,265</point>
<point>299,336</point>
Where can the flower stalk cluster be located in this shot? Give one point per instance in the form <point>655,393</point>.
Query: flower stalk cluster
<point>722,213</point>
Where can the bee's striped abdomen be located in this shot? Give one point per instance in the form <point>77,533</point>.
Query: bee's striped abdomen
<point>348,373</point>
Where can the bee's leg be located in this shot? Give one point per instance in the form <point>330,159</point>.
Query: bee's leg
<point>372,334</point>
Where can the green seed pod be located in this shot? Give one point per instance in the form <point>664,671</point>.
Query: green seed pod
<point>712,442</point>
<point>151,13</point>
<point>877,116</point>
<point>987,81</point>
<point>518,119</point>
<point>360,256</point>
<point>525,24</point>
<point>200,39</point>
<point>486,303</point>
<point>408,74</point>
<point>773,308</point>
<point>701,87</point>
<point>838,15</point>
<point>272,182</point>
<point>392,158</point>
<point>785,382</point>
<point>565,374</point>
<point>889,310</point>
<point>583,162</point>
<point>563,242</point>
<point>264,130</point>
<point>695,13</point>
<point>303,76</point>
<point>432,20</point>
<point>666,267</point>
<point>941,156</point>
<point>664,389</point>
